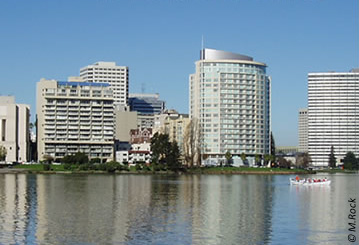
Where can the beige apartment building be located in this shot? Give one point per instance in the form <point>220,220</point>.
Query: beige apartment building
<point>75,117</point>
<point>14,129</point>
<point>173,124</point>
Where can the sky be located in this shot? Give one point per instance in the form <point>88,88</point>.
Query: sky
<point>160,40</point>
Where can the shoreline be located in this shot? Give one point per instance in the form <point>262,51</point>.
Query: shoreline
<point>195,172</point>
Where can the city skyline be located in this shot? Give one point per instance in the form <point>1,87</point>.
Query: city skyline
<point>160,42</point>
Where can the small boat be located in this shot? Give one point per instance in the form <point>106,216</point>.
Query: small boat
<point>310,182</point>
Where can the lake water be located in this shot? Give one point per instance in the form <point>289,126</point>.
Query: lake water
<point>186,209</point>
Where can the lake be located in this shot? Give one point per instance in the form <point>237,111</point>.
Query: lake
<point>184,209</point>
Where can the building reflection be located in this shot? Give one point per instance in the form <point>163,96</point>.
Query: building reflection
<point>229,208</point>
<point>202,209</point>
<point>140,209</point>
<point>15,209</point>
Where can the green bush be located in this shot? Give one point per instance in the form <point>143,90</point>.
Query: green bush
<point>123,168</point>
<point>95,160</point>
<point>101,167</point>
<point>70,167</point>
<point>112,166</point>
<point>78,158</point>
<point>138,166</point>
<point>93,166</point>
<point>46,167</point>
<point>84,167</point>
<point>157,167</point>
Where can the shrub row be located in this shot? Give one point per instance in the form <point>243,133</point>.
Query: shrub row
<point>108,166</point>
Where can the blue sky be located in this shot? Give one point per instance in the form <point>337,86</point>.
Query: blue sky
<point>160,40</point>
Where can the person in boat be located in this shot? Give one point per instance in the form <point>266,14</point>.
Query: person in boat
<point>297,178</point>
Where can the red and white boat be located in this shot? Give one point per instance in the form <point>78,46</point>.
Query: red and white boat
<point>309,182</point>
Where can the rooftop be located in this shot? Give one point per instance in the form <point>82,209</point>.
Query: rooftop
<point>213,54</point>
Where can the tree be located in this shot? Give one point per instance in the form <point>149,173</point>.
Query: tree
<point>173,160</point>
<point>303,160</point>
<point>258,160</point>
<point>268,158</point>
<point>244,158</point>
<point>228,157</point>
<point>3,153</point>
<point>350,161</point>
<point>164,152</point>
<point>48,159</point>
<point>284,163</point>
<point>192,143</point>
<point>272,144</point>
<point>78,158</point>
<point>160,147</point>
<point>332,158</point>
<point>81,158</point>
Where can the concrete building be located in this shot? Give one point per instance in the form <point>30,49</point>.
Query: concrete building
<point>125,120</point>
<point>109,72</point>
<point>147,106</point>
<point>230,96</point>
<point>333,115</point>
<point>14,129</point>
<point>75,117</point>
<point>303,130</point>
<point>173,124</point>
<point>282,150</point>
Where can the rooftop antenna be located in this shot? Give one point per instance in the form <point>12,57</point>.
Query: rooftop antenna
<point>202,49</point>
<point>143,88</point>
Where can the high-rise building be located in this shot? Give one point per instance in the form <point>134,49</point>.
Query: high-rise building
<point>146,105</point>
<point>303,130</point>
<point>109,72</point>
<point>75,117</point>
<point>14,129</point>
<point>230,96</point>
<point>333,115</point>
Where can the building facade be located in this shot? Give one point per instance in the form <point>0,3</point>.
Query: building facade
<point>75,117</point>
<point>14,129</point>
<point>140,136</point>
<point>230,96</point>
<point>333,115</point>
<point>173,124</point>
<point>125,120</point>
<point>109,72</point>
<point>147,106</point>
<point>303,130</point>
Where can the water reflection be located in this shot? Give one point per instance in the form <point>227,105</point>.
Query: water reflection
<point>189,209</point>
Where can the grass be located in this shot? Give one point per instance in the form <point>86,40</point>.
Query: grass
<point>332,171</point>
<point>246,169</point>
<point>39,167</point>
